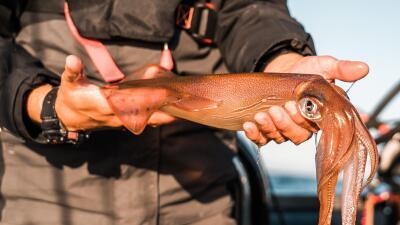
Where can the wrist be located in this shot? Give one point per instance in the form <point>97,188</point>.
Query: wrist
<point>283,62</point>
<point>35,102</point>
<point>52,129</point>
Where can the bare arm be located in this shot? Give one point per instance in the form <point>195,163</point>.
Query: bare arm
<point>80,104</point>
<point>35,102</point>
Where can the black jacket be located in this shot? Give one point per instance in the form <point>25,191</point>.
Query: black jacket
<point>248,32</point>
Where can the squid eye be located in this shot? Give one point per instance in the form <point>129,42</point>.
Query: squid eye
<point>309,108</point>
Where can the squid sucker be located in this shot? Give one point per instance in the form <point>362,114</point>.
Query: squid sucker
<point>228,100</point>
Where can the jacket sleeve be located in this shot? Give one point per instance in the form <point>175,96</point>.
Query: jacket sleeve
<point>249,32</point>
<point>19,74</point>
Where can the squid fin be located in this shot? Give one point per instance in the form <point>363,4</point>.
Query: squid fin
<point>134,106</point>
<point>195,103</point>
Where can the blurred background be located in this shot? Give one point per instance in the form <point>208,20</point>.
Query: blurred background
<point>363,30</point>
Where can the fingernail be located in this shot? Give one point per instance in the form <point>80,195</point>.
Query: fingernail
<point>261,117</point>
<point>276,113</point>
<point>280,140</point>
<point>69,59</point>
<point>72,61</point>
<point>291,107</point>
<point>248,127</point>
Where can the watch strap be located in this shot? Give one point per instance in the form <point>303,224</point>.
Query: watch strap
<point>52,129</point>
<point>48,114</point>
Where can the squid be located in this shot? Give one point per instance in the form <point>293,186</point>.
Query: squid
<point>228,100</point>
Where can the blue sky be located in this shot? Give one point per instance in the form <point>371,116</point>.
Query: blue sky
<point>359,30</point>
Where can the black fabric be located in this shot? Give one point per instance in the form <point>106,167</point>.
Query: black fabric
<point>248,30</point>
<point>134,19</point>
<point>19,74</point>
<point>25,74</point>
<point>52,6</point>
<point>6,19</point>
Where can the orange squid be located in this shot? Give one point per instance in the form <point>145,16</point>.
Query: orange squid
<point>226,101</point>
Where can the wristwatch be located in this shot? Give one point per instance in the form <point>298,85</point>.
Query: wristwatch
<point>52,129</point>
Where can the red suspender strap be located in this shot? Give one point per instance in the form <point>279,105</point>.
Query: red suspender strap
<point>97,52</point>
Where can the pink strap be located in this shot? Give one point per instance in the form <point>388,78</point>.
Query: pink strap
<point>97,52</point>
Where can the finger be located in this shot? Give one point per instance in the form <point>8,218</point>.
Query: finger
<point>294,113</point>
<point>114,121</point>
<point>287,126</point>
<point>106,121</point>
<point>252,132</point>
<point>268,128</point>
<point>73,69</point>
<point>352,70</point>
<point>151,72</point>
<point>345,70</point>
<point>159,118</point>
<point>262,140</point>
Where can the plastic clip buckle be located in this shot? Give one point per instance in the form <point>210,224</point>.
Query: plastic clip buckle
<point>199,20</point>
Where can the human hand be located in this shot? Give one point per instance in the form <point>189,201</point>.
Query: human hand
<point>80,105</point>
<point>286,123</point>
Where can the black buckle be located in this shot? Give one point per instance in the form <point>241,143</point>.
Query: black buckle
<point>199,20</point>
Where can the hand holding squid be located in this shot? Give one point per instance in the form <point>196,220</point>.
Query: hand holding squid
<point>286,123</point>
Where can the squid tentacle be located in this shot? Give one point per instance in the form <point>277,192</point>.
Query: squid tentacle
<point>364,136</point>
<point>349,144</point>
<point>335,141</point>
<point>353,175</point>
<point>326,197</point>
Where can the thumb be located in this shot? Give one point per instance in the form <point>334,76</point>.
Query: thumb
<point>352,70</point>
<point>160,118</point>
<point>152,71</point>
<point>73,69</point>
<point>349,71</point>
